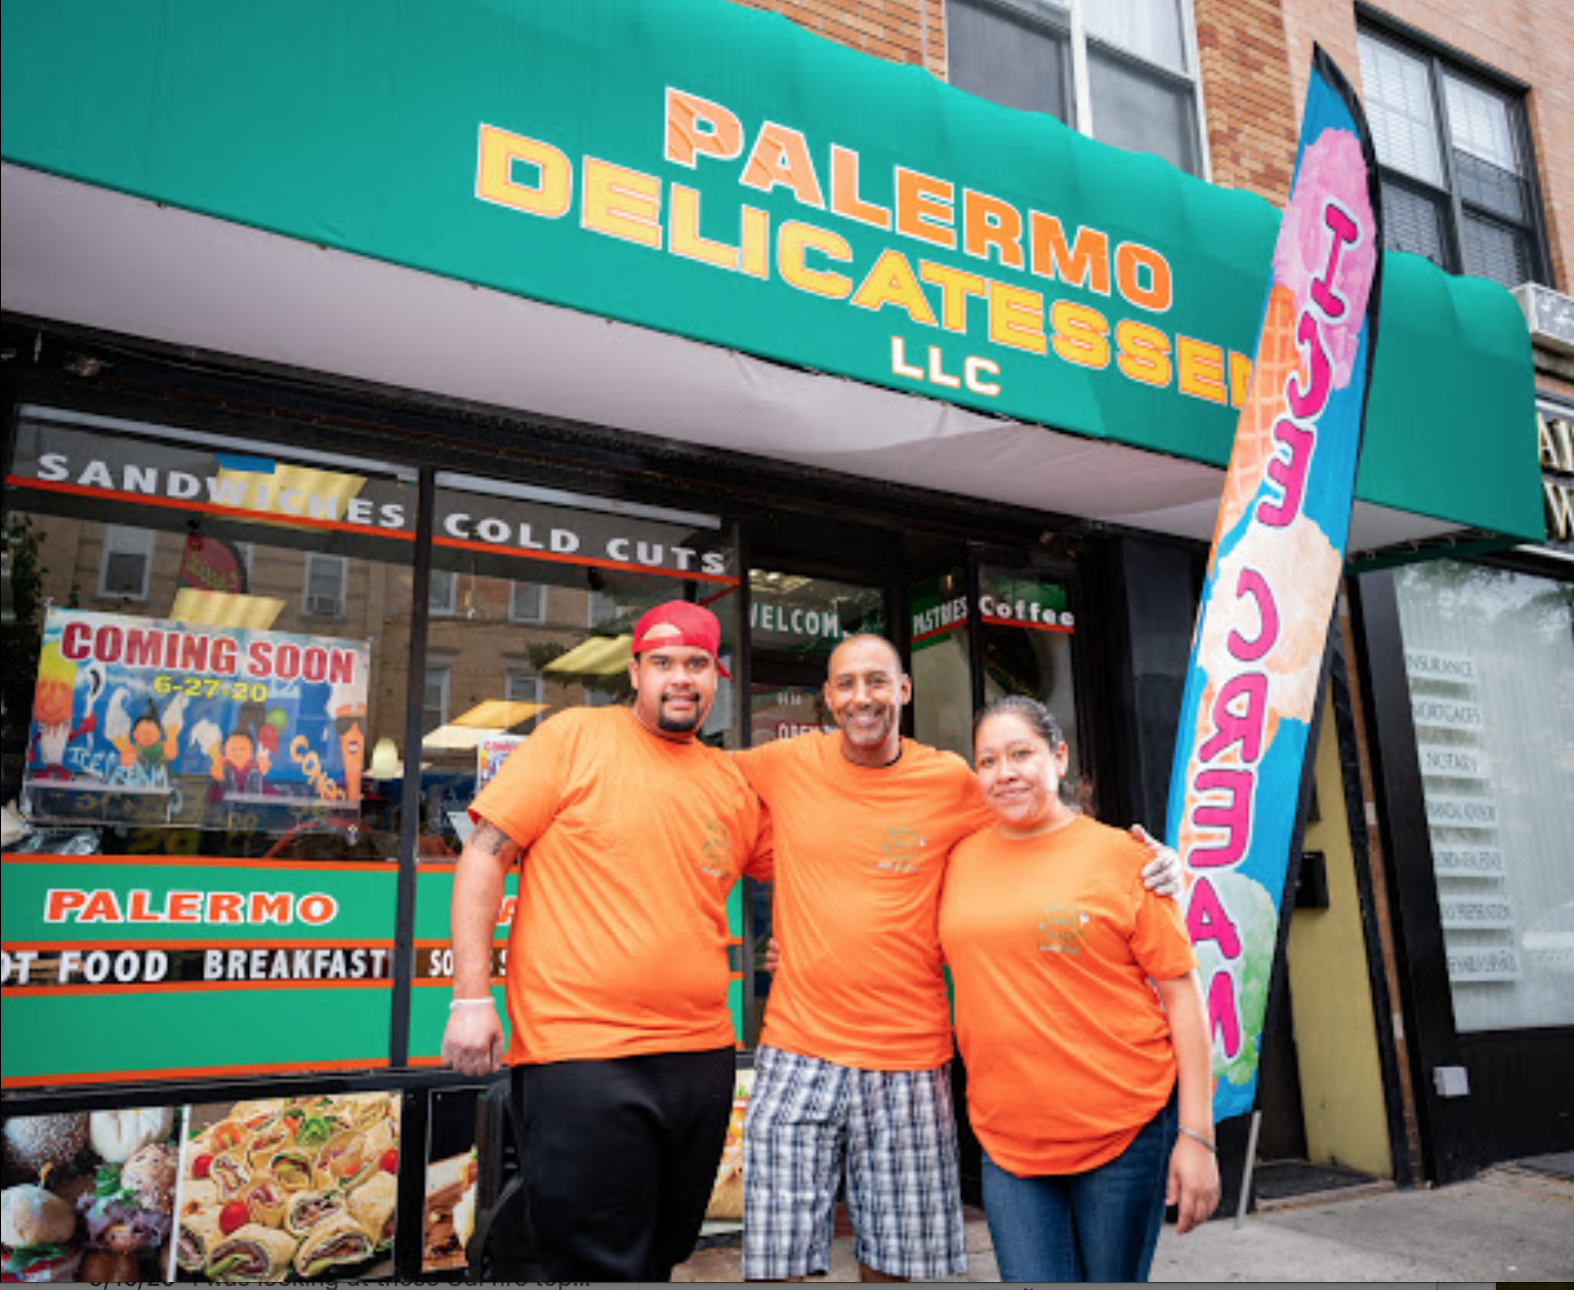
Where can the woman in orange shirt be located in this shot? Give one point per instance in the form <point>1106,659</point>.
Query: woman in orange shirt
<point>1081,1021</point>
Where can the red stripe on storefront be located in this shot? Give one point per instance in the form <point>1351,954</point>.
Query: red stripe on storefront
<point>193,1072</point>
<point>1035,627</point>
<point>197,862</point>
<point>553,557</point>
<point>208,508</point>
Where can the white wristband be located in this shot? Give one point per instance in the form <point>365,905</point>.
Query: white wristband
<point>470,1003</point>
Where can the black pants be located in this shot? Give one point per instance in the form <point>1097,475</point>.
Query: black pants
<point>620,1159</point>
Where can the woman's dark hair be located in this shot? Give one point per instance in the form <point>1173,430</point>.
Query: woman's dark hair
<point>1074,790</point>
<point>1039,719</point>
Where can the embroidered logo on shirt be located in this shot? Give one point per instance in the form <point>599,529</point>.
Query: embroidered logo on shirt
<point>717,849</point>
<point>1061,929</point>
<point>902,851</point>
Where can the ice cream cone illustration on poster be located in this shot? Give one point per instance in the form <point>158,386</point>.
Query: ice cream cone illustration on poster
<point>1273,574</point>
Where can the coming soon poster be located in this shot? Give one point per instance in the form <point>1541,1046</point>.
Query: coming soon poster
<point>140,720</point>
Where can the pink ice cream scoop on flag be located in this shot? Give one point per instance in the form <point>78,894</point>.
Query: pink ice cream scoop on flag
<point>1331,168</point>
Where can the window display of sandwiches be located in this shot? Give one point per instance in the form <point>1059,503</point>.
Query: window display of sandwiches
<point>450,1212</point>
<point>279,1189</point>
<point>88,1196</point>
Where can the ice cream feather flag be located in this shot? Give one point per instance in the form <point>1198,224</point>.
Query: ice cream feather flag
<point>1273,574</point>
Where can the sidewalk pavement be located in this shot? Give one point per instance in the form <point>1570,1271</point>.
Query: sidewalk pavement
<point>1508,1224</point>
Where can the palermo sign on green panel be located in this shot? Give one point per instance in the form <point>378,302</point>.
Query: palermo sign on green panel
<point>130,967</point>
<point>701,169</point>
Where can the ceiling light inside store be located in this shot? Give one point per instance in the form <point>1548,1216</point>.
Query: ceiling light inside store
<point>599,656</point>
<point>225,609</point>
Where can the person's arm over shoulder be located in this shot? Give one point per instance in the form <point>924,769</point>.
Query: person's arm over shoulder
<point>763,763</point>
<point>1160,941</point>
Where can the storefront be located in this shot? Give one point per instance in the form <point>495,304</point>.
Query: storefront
<point>349,429</point>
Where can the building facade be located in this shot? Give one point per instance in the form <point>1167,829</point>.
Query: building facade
<point>349,429</point>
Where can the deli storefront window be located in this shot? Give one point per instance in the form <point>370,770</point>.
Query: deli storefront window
<point>533,600</point>
<point>1026,626</point>
<point>200,636</point>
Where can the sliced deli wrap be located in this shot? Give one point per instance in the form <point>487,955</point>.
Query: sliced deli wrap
<point>307,1209</point>
<point>372,1206</point>
<point>253,1253</point>
<point>346,1160</point>
<point>196,1236</point>
<point>333,1244</point>
<point>292,1169</point>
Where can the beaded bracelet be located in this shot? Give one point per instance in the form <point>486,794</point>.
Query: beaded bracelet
<point>1195,1136</point>
<point>470,1003</point>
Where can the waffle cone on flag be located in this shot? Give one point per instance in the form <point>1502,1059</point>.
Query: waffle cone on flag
<point>1277,358</point>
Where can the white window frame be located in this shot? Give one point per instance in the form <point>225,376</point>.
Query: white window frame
<point>316,606</point>
<point>521,679</point>
<point>442,675</point>
<point>1081,86</point>
<point>518,614</point>
<point>449,605</point>
<point>126,539</point>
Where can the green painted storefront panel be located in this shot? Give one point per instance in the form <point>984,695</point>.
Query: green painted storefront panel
<point>358,125</point>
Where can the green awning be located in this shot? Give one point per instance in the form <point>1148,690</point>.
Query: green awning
<point>700,169</point>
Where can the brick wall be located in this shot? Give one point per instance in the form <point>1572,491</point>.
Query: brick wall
<point>1248,102</point>
<point>1529,40</point>
<point>900,31</point>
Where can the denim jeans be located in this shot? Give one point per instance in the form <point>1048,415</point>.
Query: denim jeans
<point>1101,1225</point>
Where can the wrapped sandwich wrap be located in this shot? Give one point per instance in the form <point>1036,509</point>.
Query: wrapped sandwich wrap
<point>332,1244</point>
<point>196,1237</point>
<point>372,1206</point>
<point>254,1253</point>
<point>309,1209</point>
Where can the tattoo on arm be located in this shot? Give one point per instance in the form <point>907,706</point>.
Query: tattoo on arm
<point>490,839</point>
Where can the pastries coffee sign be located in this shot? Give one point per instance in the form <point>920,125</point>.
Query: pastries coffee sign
<point>280,1189</point>
<point>89,1196</point>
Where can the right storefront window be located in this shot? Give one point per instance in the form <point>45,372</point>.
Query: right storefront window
<point>1489,654</point>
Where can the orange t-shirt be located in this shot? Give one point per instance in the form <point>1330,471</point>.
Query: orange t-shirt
<point>860,854</point>
<point>632,842</point>
<point>1051,941</point>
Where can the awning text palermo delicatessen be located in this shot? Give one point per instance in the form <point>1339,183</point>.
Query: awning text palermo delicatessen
<point>535,177</point>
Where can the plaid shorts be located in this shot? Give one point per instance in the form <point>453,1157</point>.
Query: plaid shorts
<point>897,1134</point>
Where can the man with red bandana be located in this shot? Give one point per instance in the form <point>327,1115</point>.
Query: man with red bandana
<point>628,834</point>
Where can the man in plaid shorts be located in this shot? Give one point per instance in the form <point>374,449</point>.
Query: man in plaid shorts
<point>853,1068</point>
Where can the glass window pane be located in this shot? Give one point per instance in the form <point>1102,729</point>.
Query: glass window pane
<point>1479,124</point>
<point>1490,659</point>
<point>442,591</point>
<point>1011,57</point>
<point>1026,630</point>
<point>1500,191</point>
<point>1414,223</point>
<point>1493,251</point>
<point>1398,96</point>
<point>1137,110</point>
<point>942,672</point>
<point>200,758</point>
<point>1150,29</point>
